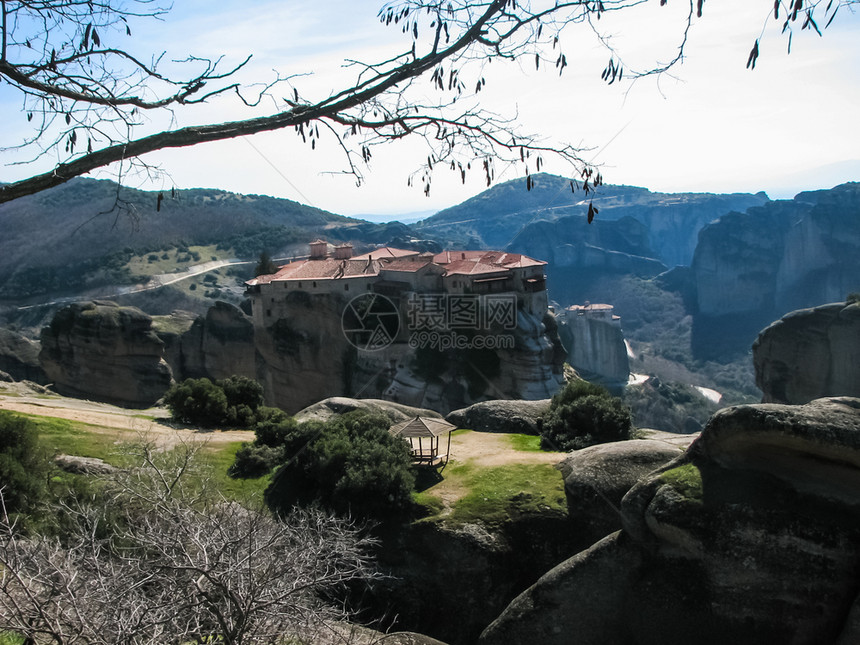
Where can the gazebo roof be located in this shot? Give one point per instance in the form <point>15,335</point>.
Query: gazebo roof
<point>421,427</point>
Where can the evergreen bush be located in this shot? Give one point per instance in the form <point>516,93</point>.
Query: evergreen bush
<point>583,414</point>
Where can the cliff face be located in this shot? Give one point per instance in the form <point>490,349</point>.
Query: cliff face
<point>595,346</point>
<point>215,346</point>
<point>102,351</point>
<point>619,246</point>
<point>19,357</point>
<point>750,537</point>
<point>780,256</point>
<point>305,356</point>
<point>809,354</point>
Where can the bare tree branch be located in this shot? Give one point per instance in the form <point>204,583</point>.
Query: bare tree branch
<point>54,53</point>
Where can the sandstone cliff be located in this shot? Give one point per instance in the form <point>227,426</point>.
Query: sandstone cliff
<point>809,354</point>
<point>750,537</point>
<point>102,351</point>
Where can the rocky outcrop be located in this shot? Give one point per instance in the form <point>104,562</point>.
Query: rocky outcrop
<point>595,343</point>
<point>597,478</point>
<point>809,354</point>
<point>83,465</point>
<point>501,416</point>
<point>334,406</point>
<point>19,357</point>
<point>102,351</point>
<point>215,346</point>
<point>751,536</point>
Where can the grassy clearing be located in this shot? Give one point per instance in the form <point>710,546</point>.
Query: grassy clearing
<point>86,440</point>
<point>170,260</point>
<point>62,436</point>
<point>525,442</point>
<point>497,495</point>
<point>8,638</point>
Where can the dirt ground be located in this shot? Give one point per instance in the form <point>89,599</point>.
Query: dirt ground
<point>486,449</point>
<point>109,419</point>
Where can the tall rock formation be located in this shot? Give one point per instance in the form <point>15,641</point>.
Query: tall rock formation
<point>102,351</point>
<point>809,354</point>
<point>752,536</point>
<point>595,342</point>
<point>215,346</point>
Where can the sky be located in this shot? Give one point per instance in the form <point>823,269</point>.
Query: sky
<point>709,125</point>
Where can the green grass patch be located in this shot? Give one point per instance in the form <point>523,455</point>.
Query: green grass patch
<point>154,263</point>
<point>220,458</point>
<point>85,440</point>
<point>499,494</point>
<point>686,480</point>
<point>75,438</point>
<point>525,442</point>
<point>430,504</point>
<point>8,638</point>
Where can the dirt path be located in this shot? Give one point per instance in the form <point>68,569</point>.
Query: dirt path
<point>494,449</point>
<point>109,419</point>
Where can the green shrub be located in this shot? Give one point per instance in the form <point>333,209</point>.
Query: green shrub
<point>350,465</point>
<point>583,414</point>
<point>24,464</point>
<point>233,401</point>
<point>241,390</point>
<point>255,460</point>
<point>198,402</point>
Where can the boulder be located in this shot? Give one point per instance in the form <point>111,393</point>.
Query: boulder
<point>751,536</point>
<point>501,416</point>
<point>336,405</point>
<point>597,478</point>
<point>83,465</point>
<point>99,350</point>
<point>809,354</point>
<point>19,357</point>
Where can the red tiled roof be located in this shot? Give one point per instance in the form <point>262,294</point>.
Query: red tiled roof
<point>407,265</point>
<point>472,263</point>
<point>498,259</point>
<point>322,269</point>
<point>385,252</point>
<point>471,267</point>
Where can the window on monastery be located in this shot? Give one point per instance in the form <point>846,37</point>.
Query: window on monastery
<point>346,287</point>
<point>299,285</point>
<point>314,285</point>
<point>268,312</point>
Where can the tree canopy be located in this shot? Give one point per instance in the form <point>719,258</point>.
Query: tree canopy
<point>88,94</point>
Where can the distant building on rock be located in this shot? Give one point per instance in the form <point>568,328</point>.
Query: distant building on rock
<point>395,272</point>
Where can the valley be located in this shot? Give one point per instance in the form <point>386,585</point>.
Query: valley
<point>661,298</point>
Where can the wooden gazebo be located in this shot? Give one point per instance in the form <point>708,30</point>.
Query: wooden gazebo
<point>423,435</point>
